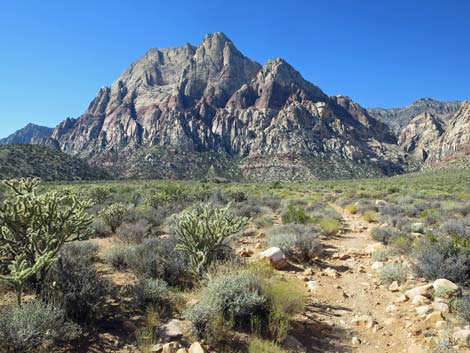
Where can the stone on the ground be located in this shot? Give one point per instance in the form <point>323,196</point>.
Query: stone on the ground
<point>330,272</point>
<point>246,252</point>
<point>420,300</point>
<point>293,344</point>
<point>462,337</point>
<point>182,350</point>
<point>394,287</point>
<point>391,308</point>
<point>417,227</point>
<point>275,257</point>
<point>173,330</point>
<point>171,347</point>
<point>445,287</point>
<point>196,348</point>
<point>355,341</point>
<point>440,324</point>
<point>425,290</point>
<point>442,307</point>
<point>433,317</point>
<point>129,326</point>
<point>366,321</point>
<point>424,310</point>
<point>377,265</point>
<point>312,285</point>
<point>402,298</point>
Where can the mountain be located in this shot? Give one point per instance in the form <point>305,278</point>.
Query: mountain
<point>455,141</point>
<point>398,118</point>
<point>421,135</point>
<point>46,163</point>
<point>188,111</point>
<point>31,133</point>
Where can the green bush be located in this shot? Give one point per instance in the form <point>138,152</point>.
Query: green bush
<point>119,255</point>
<point>297,241</point>
<point>330,226</point>
<point>352,208</point>
<point>135,232</point>
<point>394,272</point>
<point>113,215</point>
<point>383,234</point>
<point>371,216</point>
<point>258,345</point>
<point>153,292</point>
<point>27,327</point>
<point>295,214</point>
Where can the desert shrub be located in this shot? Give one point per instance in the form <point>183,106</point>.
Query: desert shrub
<point>258,345</point>
<point>273,202</point>
<point>395,271</point>
<point>330,226</point>
<point>155,198</point>
<point>297,241</point>
<point>441,259</point>
<point>85,250</point>
<point>352,208</point>
<point>237,195</point>
<point>265,221</point>
<point>27,327</point>
<point>462,307</point>
<point>119,255</point>
<point>454,227</point>
<point>380,255</point>
<point>99,228</point>
<point>99,194</point>
<point>134,233</point>
<point>153,292</point>
<point>75,285</point>
<point>383,234</point>
<point>113,215</point>
<point>202,233</point>
<point>295,214</point>
<point>402,244</point>
<point>370,216</point>
<point>235,296</point>
<point>248,210</point>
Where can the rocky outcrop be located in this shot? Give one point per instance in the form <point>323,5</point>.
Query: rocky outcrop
<point>185,111</point>
<point>399,118</point>
<point>31,133</point>
<point>455,142</point>
<point>421,135</point>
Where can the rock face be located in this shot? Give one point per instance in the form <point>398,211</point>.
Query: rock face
<point>420,136</point>
<point>455,142</point>
<point>31,133</point>
<point>189,111</point>
<point>399,118</point>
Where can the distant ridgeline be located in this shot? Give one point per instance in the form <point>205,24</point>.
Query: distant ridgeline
<point>193,111</point>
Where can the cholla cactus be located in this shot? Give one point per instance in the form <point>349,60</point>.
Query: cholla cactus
<point>202,233</point>
<point>113,215</point>
<point>33,228</point>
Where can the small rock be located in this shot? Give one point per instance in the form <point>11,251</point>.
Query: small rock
<point>330,272</point>
<point>425,290</point>
<point>182,350</point>
<point>462,337</point>
<point>442,307</point>
<point>171,347</point>
<point>246,253</point>
<point>196,348</point>
<point>420,300</point>
<point>389,321</point>
<point>129,326</point>
<point>433,317</point>
<point>377,265</point>
<point>312,285</point>
<point>366,321</point>
<point>402,298</point>
<point>171,331</point>
<point>355,341</point>
<point>445,287</point>
<point>440,324</point>
<point>415,348</point>
<point>394,287</point>
<point>424,310</point>
<point>391,308</point>
<point>276,258</point>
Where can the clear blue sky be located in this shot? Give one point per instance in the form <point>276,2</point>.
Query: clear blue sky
<point>55,55</point>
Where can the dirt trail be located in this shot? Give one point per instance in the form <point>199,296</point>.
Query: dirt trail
<point>351,289</point>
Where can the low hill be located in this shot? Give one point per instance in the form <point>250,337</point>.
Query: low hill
<point>44,162</point>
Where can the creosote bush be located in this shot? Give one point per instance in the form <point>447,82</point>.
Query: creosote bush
<point>258,345</point>
<point>395,271</point>
<point>152,292</point>
<point>297,241</point>
<point>371,216</point>
<point>330,226</point>
<point>27,327</point>
<point>296,214</point>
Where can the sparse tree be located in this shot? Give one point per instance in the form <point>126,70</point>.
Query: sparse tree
<point>33,228</point>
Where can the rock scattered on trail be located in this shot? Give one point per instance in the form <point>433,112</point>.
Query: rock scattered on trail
<point>420,300</point>
<point>377,265</point>
<point>394,287</point>
<point>293,344</point>
<point>462,337</point>
<point>330,272</point>
<point>312,285</point>
<point>196,347</point>
<point>275,257</point>
<point>365,321</point>
<point>445,287</point>
<point>355,341</point>
<point>173,330</point>
<point>424,290</point>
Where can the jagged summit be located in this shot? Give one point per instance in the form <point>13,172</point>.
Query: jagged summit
<point>177,112</point>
